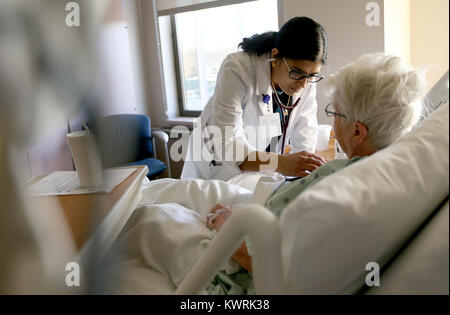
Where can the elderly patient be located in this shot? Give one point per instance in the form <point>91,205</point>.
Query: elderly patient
<point>375,100</point>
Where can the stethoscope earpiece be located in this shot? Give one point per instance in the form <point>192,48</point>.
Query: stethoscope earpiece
<point>270,60</point>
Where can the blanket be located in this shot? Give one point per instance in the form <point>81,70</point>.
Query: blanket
<point>167,234</point>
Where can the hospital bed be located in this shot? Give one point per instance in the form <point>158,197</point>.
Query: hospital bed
<point>390,208</point>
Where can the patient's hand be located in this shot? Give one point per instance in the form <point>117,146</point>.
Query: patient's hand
<point>217,216</point>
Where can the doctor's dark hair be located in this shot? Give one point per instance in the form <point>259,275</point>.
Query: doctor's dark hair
<point>300,38</point>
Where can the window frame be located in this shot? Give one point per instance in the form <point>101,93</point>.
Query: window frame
<point>178,73</point>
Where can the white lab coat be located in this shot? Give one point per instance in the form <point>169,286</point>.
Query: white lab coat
<point>238,104</point>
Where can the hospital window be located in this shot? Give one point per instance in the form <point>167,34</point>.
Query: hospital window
<point>202,39</point>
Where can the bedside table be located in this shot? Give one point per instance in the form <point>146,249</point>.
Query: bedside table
<point>95,220</point>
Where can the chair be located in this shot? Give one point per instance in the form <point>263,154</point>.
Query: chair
<point>127,140</point>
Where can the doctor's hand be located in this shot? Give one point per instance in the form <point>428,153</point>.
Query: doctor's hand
<point>299,163</point>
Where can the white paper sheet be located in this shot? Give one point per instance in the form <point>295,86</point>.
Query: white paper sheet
<point>438,94</point>
<point>67,183</point>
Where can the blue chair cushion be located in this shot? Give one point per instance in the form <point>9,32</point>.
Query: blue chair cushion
<point>123,138</point>
<point>155,167</point>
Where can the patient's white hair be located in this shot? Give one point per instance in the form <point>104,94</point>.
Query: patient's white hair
<point>382,92</point>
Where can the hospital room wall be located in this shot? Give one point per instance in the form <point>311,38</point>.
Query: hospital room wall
<point>430,37</point>
<point>397,23</point>
<point>417,30</point>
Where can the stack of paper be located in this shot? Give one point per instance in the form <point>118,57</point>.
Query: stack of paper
<point>67,183</point>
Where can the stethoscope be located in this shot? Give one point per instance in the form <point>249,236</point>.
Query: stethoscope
<point>286,112</point>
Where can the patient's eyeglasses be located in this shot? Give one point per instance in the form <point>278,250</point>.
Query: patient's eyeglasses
<point>300,75</point>
<point>330,111</point>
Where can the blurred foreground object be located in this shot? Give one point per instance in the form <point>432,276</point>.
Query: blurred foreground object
<point>45,73</point>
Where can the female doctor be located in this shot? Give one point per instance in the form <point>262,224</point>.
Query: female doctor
<point>264,95</point>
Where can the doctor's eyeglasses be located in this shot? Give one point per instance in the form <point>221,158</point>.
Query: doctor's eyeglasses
<point>330,111</point>
<point>300,75</point>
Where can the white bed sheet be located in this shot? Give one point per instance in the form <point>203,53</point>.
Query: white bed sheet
<point>166,234</point>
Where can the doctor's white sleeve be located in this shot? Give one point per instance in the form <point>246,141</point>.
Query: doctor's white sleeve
<point>304,133</point>
<point>231,93</point>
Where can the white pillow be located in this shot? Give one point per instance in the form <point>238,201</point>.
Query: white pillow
<point>365,212</point>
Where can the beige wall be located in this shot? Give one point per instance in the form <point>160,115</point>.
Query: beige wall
<point>429,37</point>
<point>397,26</point>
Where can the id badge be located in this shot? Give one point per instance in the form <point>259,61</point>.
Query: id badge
<point>271,124</point>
